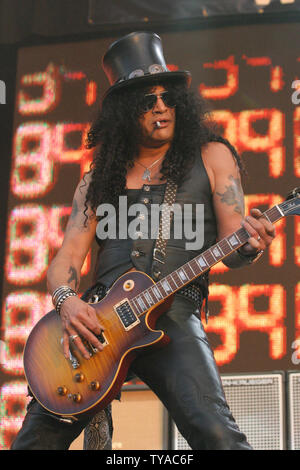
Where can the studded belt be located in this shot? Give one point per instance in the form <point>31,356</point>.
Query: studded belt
<point>192,292</point>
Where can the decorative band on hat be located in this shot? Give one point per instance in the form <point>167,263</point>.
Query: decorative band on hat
<point>152,69</point>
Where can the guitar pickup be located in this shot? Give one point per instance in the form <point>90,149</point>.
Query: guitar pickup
<point>126,314</point>
<point>102,338</point>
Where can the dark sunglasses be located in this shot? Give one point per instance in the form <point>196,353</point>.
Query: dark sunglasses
<point>149,101</point>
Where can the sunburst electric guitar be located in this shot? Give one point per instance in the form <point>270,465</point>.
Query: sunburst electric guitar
<point>77,386</point>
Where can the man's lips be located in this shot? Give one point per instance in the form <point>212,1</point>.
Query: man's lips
<point>161,123</point>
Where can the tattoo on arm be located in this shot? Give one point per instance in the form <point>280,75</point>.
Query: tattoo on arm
<point>74,209</point>
<point>233,195</point>
<point>73,276</point>
<point>79,219</point>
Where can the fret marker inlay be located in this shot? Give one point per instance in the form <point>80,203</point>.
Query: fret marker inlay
<point>182,274</point>
<point>233,241</point>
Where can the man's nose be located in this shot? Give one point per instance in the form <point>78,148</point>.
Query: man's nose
<point>159,106</point>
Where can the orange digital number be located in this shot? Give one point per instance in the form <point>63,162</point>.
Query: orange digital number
<point>270,321</point>
<point>231,84</point>
<point>277,250</point>
<point>224,324</point>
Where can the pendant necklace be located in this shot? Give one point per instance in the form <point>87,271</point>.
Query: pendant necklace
<point>147,172</point>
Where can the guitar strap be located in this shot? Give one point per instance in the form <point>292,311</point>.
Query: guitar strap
<point>159,252</point>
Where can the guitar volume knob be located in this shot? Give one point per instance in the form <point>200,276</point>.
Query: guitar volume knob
<point>79,377</point>
<point>61,391</point>
<point>76,397</point>
<point>95,385</point>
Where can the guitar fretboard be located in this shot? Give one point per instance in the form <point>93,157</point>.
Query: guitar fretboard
<point>197,266</point>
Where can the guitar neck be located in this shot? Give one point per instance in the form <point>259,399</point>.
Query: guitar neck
<point>197,266</point>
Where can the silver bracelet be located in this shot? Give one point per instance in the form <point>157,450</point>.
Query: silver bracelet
<point>61,294</point>
<point>58,292</point>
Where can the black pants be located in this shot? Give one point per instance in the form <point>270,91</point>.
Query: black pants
<point>182,374</point>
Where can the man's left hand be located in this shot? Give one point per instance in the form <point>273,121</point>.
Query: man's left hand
<point>261,232</point>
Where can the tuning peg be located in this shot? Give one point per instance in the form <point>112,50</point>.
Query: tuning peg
<point>294,193</point>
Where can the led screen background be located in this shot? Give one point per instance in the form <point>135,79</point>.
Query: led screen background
<point>246,73</point>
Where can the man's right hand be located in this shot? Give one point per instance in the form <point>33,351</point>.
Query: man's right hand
<point>79,319</point>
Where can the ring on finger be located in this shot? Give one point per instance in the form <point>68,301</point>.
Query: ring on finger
<point>73,337</point>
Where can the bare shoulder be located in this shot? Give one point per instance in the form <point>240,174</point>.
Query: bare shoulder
<point>218,159</point>
<point>217,155</point>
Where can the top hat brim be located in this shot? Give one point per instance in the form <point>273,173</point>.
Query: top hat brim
<point>176,75</point>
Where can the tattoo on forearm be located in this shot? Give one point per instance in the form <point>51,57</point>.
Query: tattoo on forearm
<point>73,276</point>
<point>233,196</point>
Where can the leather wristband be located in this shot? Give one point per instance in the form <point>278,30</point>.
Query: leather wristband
<point>250,259</point>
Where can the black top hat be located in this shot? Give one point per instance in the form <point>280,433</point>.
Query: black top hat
<point>136,58</point>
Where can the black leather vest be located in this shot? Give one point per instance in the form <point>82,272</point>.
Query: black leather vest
<point>119,255</point>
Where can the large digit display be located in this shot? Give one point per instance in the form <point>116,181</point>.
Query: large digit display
<point>251,77</point>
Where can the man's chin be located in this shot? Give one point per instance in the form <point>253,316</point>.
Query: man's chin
<point>156,143</point>
<point>157,140</point>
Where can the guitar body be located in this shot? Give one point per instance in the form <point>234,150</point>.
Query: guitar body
<point>91,384</point>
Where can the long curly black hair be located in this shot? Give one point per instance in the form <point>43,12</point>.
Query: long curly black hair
<point>117,131</point>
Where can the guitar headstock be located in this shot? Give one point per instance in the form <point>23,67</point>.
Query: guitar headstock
<point>291,206</point>
<point>294,193</point>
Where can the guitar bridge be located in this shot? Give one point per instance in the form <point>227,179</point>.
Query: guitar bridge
<point>126,314</point>
<point>73,359</point>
